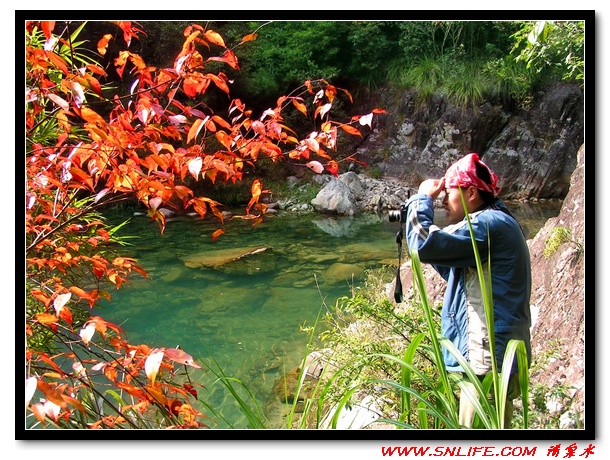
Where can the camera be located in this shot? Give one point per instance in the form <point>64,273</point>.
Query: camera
<point>398,215</point>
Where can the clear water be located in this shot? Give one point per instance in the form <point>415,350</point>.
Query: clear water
<point>247,314</point>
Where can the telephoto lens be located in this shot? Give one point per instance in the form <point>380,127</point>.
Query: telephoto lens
<point>394,216</point>
<point>398,215</point>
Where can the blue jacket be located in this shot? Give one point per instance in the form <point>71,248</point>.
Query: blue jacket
<point>450,252</point>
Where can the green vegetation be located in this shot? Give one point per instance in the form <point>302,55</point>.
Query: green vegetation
<point>559,236</point>
<point>466,61</point>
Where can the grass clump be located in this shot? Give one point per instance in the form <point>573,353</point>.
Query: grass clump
<point>559,236</point>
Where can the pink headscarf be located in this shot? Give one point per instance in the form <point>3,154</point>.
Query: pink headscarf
<point>463,173</point>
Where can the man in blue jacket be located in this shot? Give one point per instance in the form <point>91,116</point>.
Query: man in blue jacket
<point>450,251</point>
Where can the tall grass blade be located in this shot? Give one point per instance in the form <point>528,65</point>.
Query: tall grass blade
<point>409,355</point>
<point>421,287</point>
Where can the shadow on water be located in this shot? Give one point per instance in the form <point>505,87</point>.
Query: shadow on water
<point>244,300</point>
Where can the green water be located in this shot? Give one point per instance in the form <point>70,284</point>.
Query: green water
<point>247,314</point>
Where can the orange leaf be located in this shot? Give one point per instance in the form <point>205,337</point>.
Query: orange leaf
<point>351,130</point>
<point>215,38</point>
<point>75,402</point>
<point>220,82</point>
<point>94,84</point>
<point>102,44</point>
<point>92,117</point>
<point>272,150</point>
<point>322,154</point>
<point>132,390</point>
<point>58,62</point>
<point>38,294</point>
<point>96,69</point>
<point>248,38</point>
<point>156,394</point>
<point>51,394</point>
<point>43,357</point>
<point>331,93</point>
<point>221,122</point>
<point>224,139</point>
<point>82,177</point>
<point>81,293</point>
<point>229,57</point>
<point>46,318</point>
<point>300,106</point>
<point>217,233</point>
<point>348,95</point>
<point>210,126</point>
<point>194,131</point>
<point>257,189</point>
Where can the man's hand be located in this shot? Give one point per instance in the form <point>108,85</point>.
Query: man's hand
<point>432,187</point>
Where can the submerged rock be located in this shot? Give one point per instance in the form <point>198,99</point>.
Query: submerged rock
<point>218,257</point>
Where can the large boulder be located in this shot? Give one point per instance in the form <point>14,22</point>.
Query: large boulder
<point>336,197</point>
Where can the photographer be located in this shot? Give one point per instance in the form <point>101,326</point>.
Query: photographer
<point>450,251</point>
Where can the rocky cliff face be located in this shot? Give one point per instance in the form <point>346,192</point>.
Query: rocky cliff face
<point>558,291</point>
<point>532,150</point>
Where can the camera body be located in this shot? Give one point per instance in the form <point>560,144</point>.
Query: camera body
<point>398,215</point>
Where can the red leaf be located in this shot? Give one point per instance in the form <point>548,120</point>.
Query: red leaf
<point>333,168</point>
<point>47,28</point>
<point>94,84</point>
<point>217,233</point>
<point>66,315</point>
<point>190,389</point>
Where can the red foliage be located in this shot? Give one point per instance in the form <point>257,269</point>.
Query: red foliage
<point>145,148</point>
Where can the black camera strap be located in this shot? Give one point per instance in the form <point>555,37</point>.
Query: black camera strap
<point>398,296</point>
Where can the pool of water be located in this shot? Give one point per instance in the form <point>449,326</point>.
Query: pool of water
<point>242,301</point>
